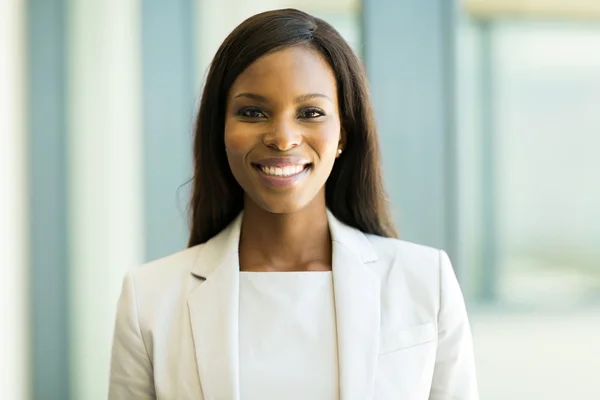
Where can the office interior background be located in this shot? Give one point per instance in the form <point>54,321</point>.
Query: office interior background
<point>489,118</point>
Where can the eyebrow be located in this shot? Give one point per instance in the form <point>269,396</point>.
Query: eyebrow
<point>299,99</point>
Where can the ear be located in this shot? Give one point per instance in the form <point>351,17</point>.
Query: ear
<point>341,143</point>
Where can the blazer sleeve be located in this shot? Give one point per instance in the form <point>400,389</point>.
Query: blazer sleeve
<point>131,373</point>
<point>454,376</point>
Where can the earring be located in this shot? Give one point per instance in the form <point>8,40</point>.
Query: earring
<point>339,151</point>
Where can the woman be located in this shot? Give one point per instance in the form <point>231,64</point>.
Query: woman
<point>293,285</point>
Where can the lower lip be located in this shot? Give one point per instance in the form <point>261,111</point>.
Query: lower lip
<point>281,181</point>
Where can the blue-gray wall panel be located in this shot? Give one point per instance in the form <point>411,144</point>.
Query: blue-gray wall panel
<point>48,199</point>
<point>169,98</point>
<point>408,50</point>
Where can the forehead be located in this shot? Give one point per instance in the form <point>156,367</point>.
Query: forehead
<point>294,70</point>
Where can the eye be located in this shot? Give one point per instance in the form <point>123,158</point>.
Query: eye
<point>251,112</point>
<point>310,113</point>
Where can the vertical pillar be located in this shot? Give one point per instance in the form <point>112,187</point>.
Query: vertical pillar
<point>47,191</point>
<point>14,343</point>
<point>408,50</point>
<point>105,177</point>
<point>170,92</point>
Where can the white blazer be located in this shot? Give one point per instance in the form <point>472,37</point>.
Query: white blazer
<point>402,327</point>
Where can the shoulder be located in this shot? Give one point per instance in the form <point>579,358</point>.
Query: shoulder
<point>167,276</point>
<point>167,267</point>
<point>410,273</point>
<point>405,254</point>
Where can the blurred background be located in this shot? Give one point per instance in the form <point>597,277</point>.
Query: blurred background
<point>489,117</point>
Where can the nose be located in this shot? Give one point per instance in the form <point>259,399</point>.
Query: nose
<point>283,136</point>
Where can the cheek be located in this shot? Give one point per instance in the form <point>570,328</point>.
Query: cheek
<point>238,142</point>
<point>326,142</point>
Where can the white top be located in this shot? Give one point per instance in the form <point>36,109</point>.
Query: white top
<point>288,338</point>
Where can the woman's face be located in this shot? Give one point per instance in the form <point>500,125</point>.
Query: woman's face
<point>282,129</point>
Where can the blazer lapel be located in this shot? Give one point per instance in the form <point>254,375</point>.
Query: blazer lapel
<point>213,308</point>
<point>357,306</point>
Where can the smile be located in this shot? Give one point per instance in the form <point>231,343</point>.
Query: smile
<point>281,176</point>
<point>283,171</point>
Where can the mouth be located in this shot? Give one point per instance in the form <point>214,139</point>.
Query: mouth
<point>282,176</point>
<point>281,171</point>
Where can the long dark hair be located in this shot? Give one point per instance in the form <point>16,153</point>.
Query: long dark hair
<point>354,190</point>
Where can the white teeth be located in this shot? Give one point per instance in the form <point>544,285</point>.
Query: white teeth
<point>282,171</point>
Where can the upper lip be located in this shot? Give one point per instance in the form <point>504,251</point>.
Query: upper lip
<point>282,161</point>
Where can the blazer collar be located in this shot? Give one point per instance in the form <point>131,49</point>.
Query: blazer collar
<point>212,254</point>
<point>214,308</point>
<point>216,251</point>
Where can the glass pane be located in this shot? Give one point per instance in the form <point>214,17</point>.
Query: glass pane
<point>546,103</point>
<point>538,86</point>
<point>529,185</point>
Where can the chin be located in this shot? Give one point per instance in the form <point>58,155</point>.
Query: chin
<point>284,200</point>
<point>281,207</point>
<point>281,202</point>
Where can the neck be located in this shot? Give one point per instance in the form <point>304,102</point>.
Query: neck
<point>285,242</point>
